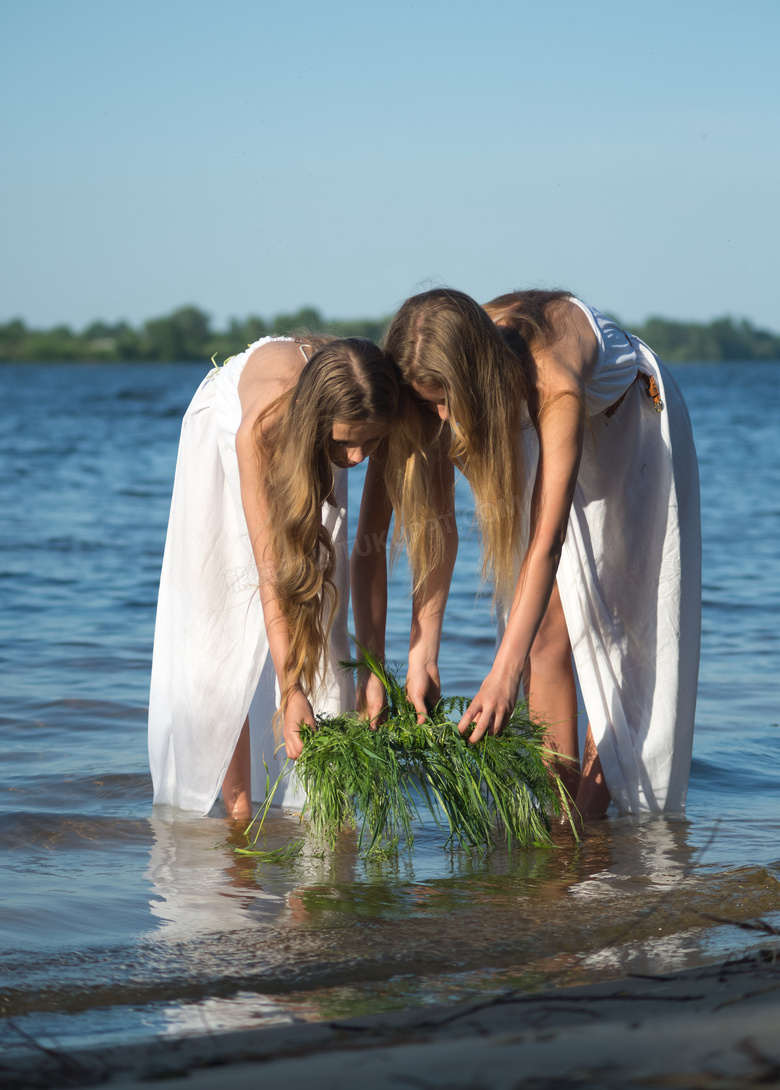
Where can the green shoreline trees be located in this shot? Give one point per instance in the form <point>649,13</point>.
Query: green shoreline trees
<point>186,334</point>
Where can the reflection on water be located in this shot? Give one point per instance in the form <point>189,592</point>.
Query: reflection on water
<point>196,885</point>
<point>329,933</point>
<point>231,942</point>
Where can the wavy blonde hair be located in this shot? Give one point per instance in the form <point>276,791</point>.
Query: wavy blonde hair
<point>345,381</point>
<point>444,338</point>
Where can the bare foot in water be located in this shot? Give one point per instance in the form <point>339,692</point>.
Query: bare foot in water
<point>237,785</point>
<point>592,799</point>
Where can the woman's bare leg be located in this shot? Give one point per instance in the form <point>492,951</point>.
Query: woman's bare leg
<point>551,691</point>
<point>592,798</point>
<point>237,785</point>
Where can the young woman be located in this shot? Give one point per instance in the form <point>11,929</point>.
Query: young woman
<point>578,448</point>
<point>254,590</point>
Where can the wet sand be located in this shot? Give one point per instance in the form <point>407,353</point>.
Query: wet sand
<point>714,1027</point>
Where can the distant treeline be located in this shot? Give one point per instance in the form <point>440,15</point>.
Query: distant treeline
<point>186,334</point>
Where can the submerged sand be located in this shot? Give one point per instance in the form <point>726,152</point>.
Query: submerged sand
<point>714,1027</point>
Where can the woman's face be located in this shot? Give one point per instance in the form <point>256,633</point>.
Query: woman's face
<point>433,397</point>
<point>350,444</point>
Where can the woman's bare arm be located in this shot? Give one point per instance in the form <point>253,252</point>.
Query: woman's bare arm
<point>369,590</point>
<point>423,684</point>
<point>368,574</point>
<point>275,368</point>
<point>560,420</point>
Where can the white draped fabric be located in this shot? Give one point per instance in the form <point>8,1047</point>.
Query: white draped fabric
<point>630,574</point>
<point>211,664</point>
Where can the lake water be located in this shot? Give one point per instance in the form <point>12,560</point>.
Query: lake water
<point>118,924</point>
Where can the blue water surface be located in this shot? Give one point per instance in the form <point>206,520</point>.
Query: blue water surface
<point>117,923</point>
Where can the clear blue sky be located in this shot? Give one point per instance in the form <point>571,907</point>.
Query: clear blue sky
<point>251,156</point>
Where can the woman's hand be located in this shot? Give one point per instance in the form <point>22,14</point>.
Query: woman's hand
<point>491,708</point>
<point>423,688</point>
<point>371,698</point>
<point>298,711</point>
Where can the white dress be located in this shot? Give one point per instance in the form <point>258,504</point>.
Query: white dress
<point>630,574</point>
<point>211,665</point>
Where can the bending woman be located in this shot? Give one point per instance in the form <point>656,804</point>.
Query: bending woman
<point>578,448</point>
<point>254,591</point>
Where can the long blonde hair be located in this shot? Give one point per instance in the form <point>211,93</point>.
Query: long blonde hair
<point>345,381</point>
<point>444,338</point>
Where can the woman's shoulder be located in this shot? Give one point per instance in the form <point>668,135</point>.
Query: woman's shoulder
<point>269,348</point>
<point>271,368</point>
<point>273,359</point>
<point>568,359</point>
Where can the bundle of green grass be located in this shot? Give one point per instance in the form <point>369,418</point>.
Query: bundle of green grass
<point>499,790</point>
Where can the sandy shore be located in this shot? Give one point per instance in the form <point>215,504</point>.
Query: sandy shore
<point>715,1027</point>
